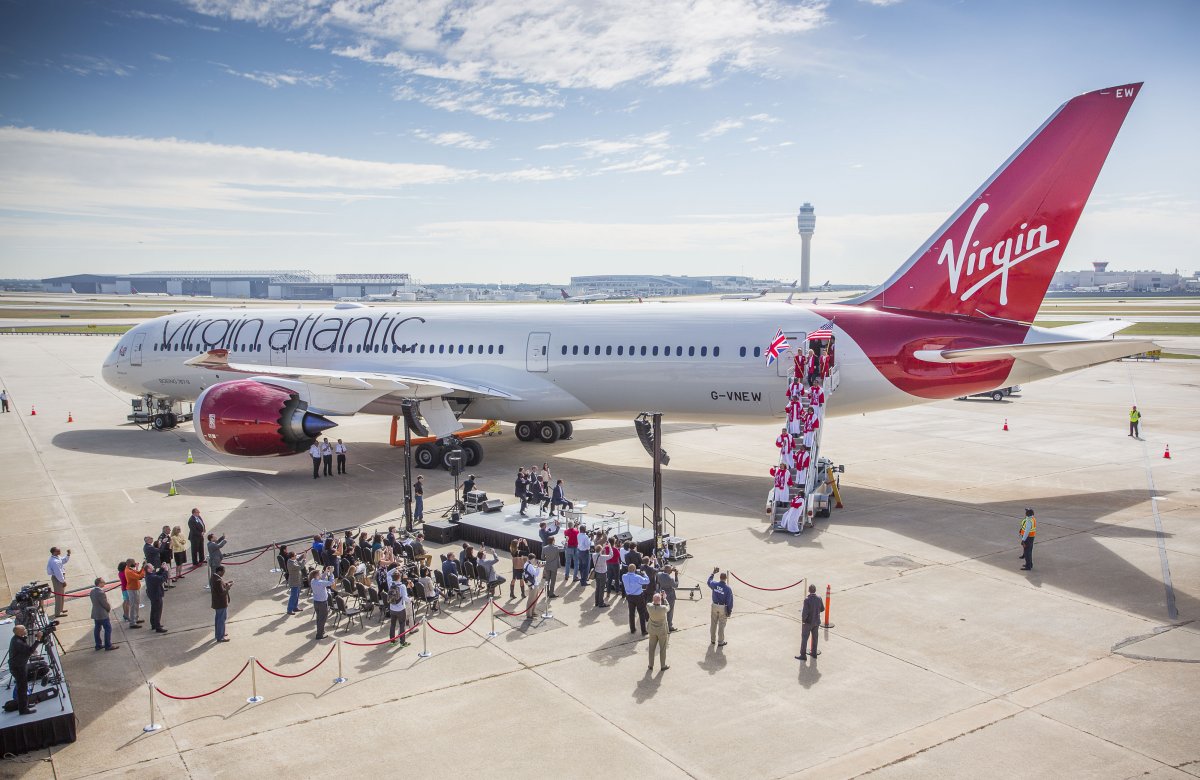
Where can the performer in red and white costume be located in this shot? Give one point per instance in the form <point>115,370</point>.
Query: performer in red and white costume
<point>816,396</point>
<point>795,413</point>
<point>783,480</point>
<point>810,430</point>
<point>793,519</point>
<point>802,459</point>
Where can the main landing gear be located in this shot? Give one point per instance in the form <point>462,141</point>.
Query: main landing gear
<point>547,431</point>
<point>433,455</point>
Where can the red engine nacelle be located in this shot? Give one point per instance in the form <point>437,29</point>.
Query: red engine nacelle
<point>245,417</point>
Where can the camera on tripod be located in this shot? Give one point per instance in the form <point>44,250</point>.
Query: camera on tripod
<point>26,606</point>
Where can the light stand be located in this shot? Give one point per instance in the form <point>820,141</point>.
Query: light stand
<point>408,499</point>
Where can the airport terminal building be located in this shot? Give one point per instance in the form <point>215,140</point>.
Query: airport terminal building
<point>275,285</point>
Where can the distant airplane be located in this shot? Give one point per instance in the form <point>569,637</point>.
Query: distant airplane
<point>585,298</point>
<point>953,320</point>
<point>743,296</point>
<point>1110,287</point>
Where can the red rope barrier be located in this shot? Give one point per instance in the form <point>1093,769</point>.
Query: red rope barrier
<point>459,631</point>
<point>382,641</point>
<point>748,585</point>
<point>210,693</point>
<point>81,593</point>
<point>522,612</point>
<point>293,676</point>
<point>248,560</point>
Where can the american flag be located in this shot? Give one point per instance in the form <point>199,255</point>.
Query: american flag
<point>777,346</point>
<point>823,332</point>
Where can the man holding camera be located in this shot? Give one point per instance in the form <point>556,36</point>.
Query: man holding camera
<point>19,651</point>
<point>722,607</point>
<point>320,586</point>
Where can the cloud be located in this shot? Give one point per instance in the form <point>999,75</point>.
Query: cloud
<point>163,19</point>
<point>723,126</point>
<point>632,154</point>
<point>475,50</point>
<point>506,103</point>
<point>160,57</point>
<point>290,78</point>
<point>881,3</point>
<point>459,140</point>
<point>57,172</point>
<point>86,65</point>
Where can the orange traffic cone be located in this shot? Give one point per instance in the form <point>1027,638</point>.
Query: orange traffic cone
<point>70,419</point>
<point>33,411</point>
<point>1005,428</point>
<point>1167,452</point>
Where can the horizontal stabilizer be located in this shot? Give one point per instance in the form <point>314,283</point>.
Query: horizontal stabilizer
<point>1054,355</point>
<point>1098,329</point>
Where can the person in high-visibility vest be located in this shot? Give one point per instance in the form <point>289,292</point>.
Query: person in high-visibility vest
<point>1134,417</point>
<point>1028,532</point>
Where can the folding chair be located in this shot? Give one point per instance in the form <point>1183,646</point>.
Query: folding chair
<point>340,609</point>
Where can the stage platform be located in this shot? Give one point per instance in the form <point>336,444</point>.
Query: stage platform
<point>497,529</point>
<point>54,721</point>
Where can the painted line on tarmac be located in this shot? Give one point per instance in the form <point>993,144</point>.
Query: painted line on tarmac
<point>1172,612</point>
<point>123,490</point>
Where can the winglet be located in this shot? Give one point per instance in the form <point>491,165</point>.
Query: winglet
<point>216,359</point>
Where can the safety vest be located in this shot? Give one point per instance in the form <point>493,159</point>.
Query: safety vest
<point>1134,415</point>
<point>1029,522</point>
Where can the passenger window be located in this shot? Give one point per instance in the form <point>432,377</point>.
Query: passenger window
<point>491,347</point>
<point>564,349</point>
<point>716,351</point>
<point>460,348</point>
<point>502,350</point>
<point>608,350</point>
<point>691,352</point>
<point>742,352</point>
<point>757,352</point>
<point>644,351</point>
<point>441,348</point>
<point>621,350</point>
<point>678,351</point>
<point>703,351</point>
<point>575,350</point>
<point>654,351</point>
<point>470,349</point>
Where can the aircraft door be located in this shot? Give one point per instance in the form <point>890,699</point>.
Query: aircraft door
<point>797,345</point>
<point>537,356</point>
<point>135,353</point>
<point>279,356</point>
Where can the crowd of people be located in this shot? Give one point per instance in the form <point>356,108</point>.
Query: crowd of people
<point>532,487</point>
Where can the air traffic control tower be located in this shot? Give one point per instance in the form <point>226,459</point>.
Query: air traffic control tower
<point>806,222</point>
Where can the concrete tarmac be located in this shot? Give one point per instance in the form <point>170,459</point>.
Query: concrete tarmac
<point>945,660</point>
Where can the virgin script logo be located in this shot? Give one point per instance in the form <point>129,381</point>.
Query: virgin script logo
<point>993,261</point>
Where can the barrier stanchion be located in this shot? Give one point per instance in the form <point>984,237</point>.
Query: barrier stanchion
<point>152,726</point>
<point>275,559</point>
<point>254,697</point>
<point>493,633</point>
<point>548,615</point>
<point>424,641</point>
<point>340,678</point>
<point>827,623</point>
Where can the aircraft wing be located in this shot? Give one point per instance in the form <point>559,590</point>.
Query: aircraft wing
<point>1054,355</point>
<point>336,391</point>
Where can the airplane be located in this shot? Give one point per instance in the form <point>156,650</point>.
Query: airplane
<point>743,296</point>
<point>953,320</point>
<point>1110,287</point>
<point>584,298</point>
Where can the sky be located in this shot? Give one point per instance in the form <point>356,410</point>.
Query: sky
<point>504,141</point>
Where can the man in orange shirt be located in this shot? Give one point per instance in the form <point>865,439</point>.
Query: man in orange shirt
<point>133,584</point>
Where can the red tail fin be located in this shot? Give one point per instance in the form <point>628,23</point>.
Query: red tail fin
<point>995,257</point>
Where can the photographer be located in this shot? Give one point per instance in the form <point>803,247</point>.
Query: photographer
<point>320,595</point>
<point>156,590</point>
<point>19,651</point>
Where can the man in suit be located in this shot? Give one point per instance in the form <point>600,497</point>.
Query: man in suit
<point>100,610</point>
<point>156,581</point>
<point>551,554</point>
<point>521,488</point>
<point>559,497</point>
<point>295,580</point>
<point>810,619</point>
<point>666,581</point>
<point>19,650</point>
<point>215,556</point>
<point>220,600</point>
<point>196,531</point>
<point>151,553</point>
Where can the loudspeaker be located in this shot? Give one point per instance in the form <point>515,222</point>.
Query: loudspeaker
<point>441,532</point>
<point>455,517</point>
<point>493,505</point>
<point>623,537</point>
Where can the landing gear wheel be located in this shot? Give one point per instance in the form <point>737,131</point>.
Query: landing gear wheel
<point>160,422</point>
<point>450,454</point>
<point>427,456</point>
<point>172,420</point>
<point>565,429</point>
<point>474,453</point>
<point>547,431</point>
<point>997,396</point>
<point>526,431</point>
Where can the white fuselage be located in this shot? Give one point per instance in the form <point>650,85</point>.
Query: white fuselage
<point>690,361</point>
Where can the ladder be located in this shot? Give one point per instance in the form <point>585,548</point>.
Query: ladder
<point>816,483</point>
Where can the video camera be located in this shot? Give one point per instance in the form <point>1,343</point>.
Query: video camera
<point>26,606</point>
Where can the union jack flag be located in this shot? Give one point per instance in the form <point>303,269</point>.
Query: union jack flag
<point>777,346</point>
<point>823,332</point>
